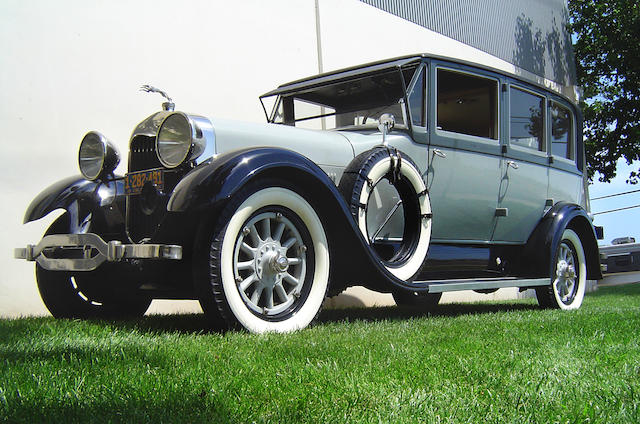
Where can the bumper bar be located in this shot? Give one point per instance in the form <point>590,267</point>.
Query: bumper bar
<point>93,251</point>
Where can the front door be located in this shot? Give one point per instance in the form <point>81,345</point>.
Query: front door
<point>464,154</point>
<point>463,194</point>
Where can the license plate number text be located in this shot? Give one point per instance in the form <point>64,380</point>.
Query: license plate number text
<point>134,181</point>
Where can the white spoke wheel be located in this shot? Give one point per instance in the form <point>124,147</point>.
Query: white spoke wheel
<point>389,201</point>
<point>568,276</point>
<point>269,261</point>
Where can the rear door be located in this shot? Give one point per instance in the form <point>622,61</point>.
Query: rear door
<point>524,165</point>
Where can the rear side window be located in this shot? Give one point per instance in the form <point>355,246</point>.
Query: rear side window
<point>562,132</point>
<point>526,119</point>
<point>467,104</point>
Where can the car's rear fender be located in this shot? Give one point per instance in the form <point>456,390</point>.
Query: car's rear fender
<point>545,239</point>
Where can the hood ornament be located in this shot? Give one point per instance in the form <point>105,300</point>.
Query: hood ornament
<point>168,105</point>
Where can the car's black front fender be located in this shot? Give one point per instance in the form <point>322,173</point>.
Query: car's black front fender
<point>220,178</point>
<point>211,184</point>
<point>84,200</point>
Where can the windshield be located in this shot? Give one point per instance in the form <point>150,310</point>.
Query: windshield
<point>353,104</point>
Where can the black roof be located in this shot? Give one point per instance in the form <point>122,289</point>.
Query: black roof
<point>341,74</point>
<point>315,81</point>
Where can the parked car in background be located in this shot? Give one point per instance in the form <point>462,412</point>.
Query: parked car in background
<point>412,176</point>
<point>622,255</point>
<point>623,240</point>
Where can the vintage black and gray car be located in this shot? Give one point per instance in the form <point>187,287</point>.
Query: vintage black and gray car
<point>412,176</point>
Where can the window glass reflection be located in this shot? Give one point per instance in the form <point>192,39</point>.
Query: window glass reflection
<point>561,131</point>
<point>526,119</point>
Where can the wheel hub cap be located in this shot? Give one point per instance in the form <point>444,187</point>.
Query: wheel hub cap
<point>566,271</point>
<point>270,260</point>
<point>279,263</point>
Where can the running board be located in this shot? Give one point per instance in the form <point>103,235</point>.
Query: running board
<point>440,286</point>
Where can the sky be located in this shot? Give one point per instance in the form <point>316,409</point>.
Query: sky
<point>622,223</point>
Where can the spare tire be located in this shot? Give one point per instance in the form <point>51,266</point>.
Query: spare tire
<point>389,201</point>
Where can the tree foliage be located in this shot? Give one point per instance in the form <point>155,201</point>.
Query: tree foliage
<point>607,46</point>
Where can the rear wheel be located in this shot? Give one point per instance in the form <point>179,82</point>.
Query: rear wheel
<point>76,295</point>
<point>269,261</point>
<point>569,275</point>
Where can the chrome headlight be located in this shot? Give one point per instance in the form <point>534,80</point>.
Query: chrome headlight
<point>180,138</point>
<point>97,156</point>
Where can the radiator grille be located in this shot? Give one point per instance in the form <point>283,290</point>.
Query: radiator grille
<point>145,211</point>
<point>142,154</point>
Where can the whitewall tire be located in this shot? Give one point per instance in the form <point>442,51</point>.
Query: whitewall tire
<point>358,186</point>
<point>269,261</point>
<point>569,275</point>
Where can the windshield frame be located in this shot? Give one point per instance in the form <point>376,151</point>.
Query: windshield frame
<point>401,70</point>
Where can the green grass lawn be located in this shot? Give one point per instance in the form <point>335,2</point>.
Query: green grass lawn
<point>494,362</point>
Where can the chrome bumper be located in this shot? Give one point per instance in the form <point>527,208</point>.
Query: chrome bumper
<point>93,251</point>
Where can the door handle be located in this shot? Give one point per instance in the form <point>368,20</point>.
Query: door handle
<point>513,164</point>
<point>438,152</point>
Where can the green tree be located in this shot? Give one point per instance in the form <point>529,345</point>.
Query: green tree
<point>606,37</point>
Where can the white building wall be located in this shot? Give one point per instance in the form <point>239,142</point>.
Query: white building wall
<point>74,66</point>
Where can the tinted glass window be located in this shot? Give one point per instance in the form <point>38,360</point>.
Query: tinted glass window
<point>526,119</point>
<point>561,131</point>
<point>467,104</point>
<point>416,101</point>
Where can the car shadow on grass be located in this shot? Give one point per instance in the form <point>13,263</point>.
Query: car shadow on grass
<point>199,324</point>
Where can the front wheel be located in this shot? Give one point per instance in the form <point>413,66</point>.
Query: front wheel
<point>65,297</point>
<point>569,275</point>
<point>85,294</point>
<point>269,261</point>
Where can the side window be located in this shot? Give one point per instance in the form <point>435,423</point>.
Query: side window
<point>467,104</point>
<point>416,99</point>
<point>561,132</point>
<point>526,119</point>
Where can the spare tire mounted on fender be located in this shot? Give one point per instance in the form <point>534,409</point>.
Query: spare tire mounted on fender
<point>389,201</point>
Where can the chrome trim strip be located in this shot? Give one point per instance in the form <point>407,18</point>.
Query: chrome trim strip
<point>95,251</point>
<point>484,243</point>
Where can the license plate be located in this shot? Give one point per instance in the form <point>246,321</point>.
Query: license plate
<point>134,181</point>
